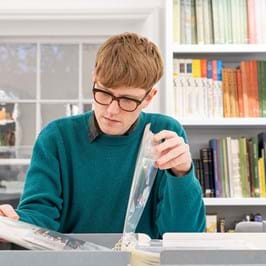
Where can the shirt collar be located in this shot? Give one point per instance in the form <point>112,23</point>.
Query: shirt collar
<point>95,131</point>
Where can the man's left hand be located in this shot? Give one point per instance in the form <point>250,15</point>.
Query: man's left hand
<point>172,153</point>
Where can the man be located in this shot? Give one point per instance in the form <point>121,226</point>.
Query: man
<point>81,170</point>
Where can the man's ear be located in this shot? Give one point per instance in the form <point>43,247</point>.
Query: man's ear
<point>150,96</point>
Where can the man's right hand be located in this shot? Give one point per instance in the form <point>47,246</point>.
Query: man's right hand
<point>8,211</point>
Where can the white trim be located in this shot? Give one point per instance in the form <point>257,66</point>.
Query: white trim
<point>70,5</point>
<point>47,101</point>
<point>169,95</point>
<point>76,22</point>
<point>15,161</point>
<point>219,48</point>
<point>134,14</point>
<point>2,101</point>
<point>235,201</point>
<point>5,122</point>
<point>80,81</point>
<point>53,39</point>
<point>87,101</point>
<point>230,122</point>
<point>38,90</point>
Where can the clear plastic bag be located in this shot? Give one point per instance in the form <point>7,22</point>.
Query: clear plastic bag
<point>143,180</point>
<point>142,183</point>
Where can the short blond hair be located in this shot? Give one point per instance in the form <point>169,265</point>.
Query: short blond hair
<point>130,60</point>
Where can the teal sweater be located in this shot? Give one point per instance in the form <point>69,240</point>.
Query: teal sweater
<point>77,186</point>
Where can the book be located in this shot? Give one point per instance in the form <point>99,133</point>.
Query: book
<point>214,241</point>
<point>213,143</point>
<point>176,21</point>
<point>211,223</point>
<point>38,238</point>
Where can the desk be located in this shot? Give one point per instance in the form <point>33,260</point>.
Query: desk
<point>13,257</point>
<point>213,257</point>
<point>170,256</point>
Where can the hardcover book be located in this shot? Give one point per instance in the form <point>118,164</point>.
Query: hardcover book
<point>37,238</point>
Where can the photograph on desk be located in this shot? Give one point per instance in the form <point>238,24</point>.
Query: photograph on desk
<point>37,238</point>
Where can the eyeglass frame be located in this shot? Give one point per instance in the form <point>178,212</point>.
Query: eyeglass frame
<point>115,98</point>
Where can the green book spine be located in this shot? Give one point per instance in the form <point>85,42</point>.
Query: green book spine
<point>244,21</point>
<point>263,80</point>
<point>255,151</point>
<point>226,175</point>
<point>243,166</point>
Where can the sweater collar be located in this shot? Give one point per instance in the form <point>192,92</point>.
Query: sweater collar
<point>95,131</point>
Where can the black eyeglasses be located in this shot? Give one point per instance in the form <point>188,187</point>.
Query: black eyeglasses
<point>125,103</point>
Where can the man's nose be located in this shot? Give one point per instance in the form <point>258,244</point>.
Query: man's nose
<point>113,107</point>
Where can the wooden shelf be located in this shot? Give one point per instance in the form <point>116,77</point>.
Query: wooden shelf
<point>235,201</point>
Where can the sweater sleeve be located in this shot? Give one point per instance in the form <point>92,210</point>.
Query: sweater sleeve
<point>180,206</point>
<point>41,201</point>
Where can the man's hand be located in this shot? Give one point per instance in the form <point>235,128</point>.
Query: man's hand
<point>8,211</point>
<point>172,153</point>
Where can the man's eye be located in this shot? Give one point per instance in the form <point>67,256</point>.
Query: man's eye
<point>125,100</point>
<point>128,101</point>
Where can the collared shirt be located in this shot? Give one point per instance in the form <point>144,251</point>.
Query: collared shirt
<point>95,131</point>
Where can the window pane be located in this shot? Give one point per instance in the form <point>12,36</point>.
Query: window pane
<point>17,124</point>
<point>15,152</point>
<point>89,54</point>
<point>7,124</point>
<point>26,124</point>
<point>87,107</point>
<point>12,173</point>
<point>18,70</point>
<point>59,71</point>
<point>12,182</point>
<point>50,112</point>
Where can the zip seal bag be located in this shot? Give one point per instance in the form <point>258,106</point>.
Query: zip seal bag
<point>143,179</point>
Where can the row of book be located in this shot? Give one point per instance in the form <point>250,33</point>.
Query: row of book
<point>244,90</point>
<point>205,89</point>
<point>219,21</point>
<point>233,167</point>
<point>215,224</point>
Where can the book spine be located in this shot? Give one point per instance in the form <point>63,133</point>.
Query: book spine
<point>176,21</point>
<point>213,143</point>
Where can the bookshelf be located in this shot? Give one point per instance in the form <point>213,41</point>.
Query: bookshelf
<point>201,130</point>
<point>70,30</point>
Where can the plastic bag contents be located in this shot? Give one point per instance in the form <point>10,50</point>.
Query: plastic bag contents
<point>142,183</point>
<point>38,238</point>
<point>144,251</point>
<point>143,180</point>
